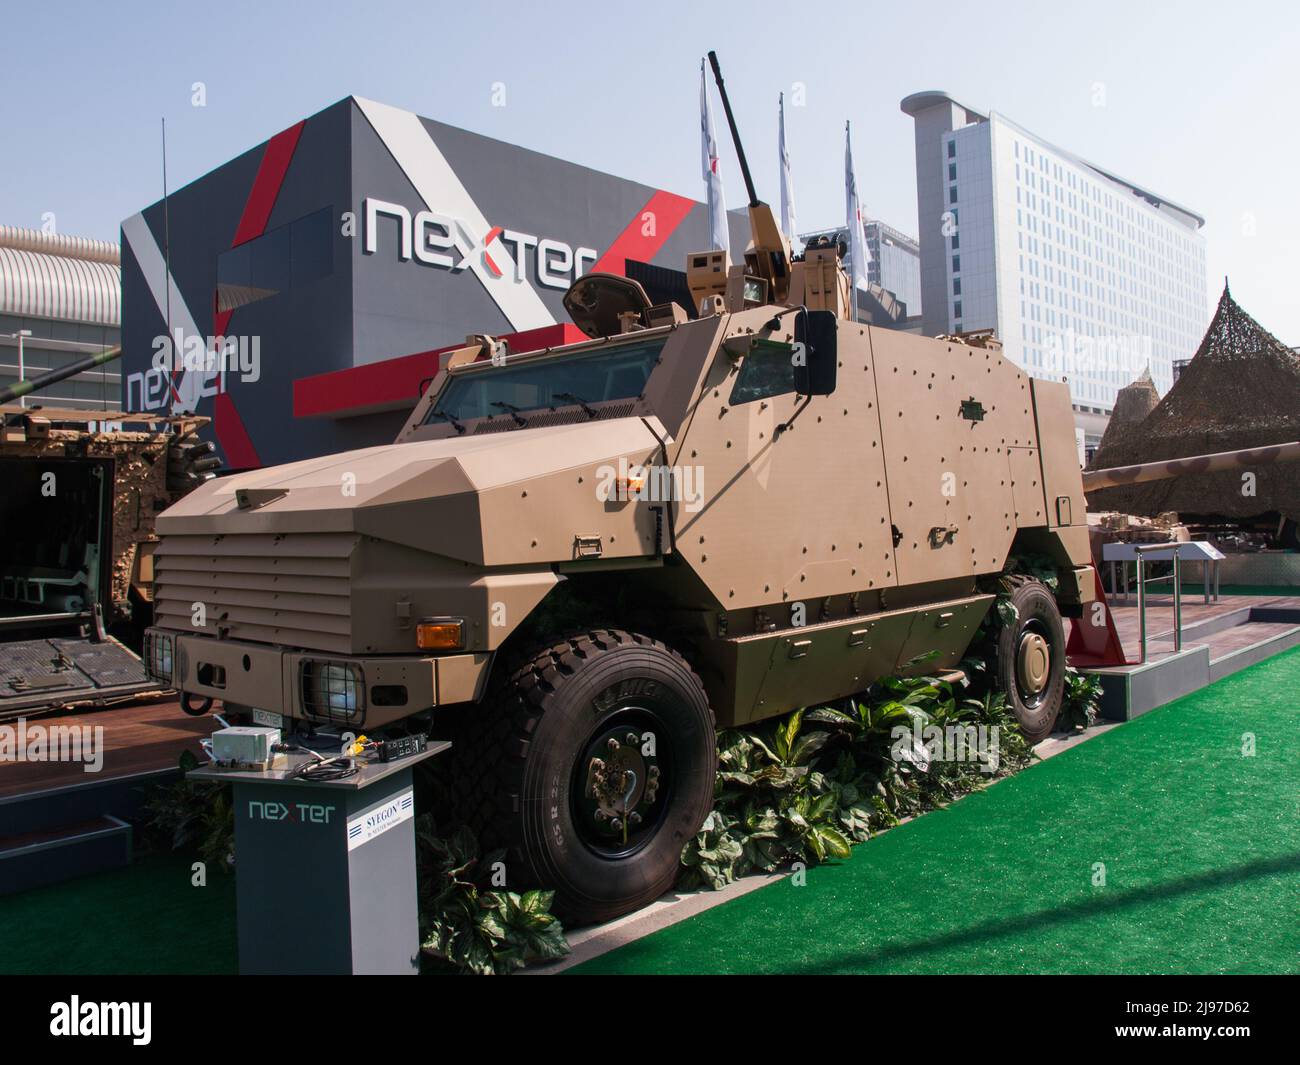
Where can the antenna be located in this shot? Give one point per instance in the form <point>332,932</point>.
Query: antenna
<point>167,266</point>
<point>754,201</point>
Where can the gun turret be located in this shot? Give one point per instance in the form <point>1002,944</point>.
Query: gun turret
<point>768,256</point>
<point>1221,460</point>
<point>769,274</point>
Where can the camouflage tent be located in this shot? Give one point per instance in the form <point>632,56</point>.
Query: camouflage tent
<point>1242,389</point>
<point>1134,402</point>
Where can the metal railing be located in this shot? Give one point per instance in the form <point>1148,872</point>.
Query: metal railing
<point>1143,581</point>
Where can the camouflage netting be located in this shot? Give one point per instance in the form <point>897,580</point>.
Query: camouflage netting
<point>1242,389</point>
<point>1134,402</point>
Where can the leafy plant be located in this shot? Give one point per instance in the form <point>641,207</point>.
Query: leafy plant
<point>468,921</point>
<point>196,814</point>
<point>1081,700</point>
<point>808,786</point>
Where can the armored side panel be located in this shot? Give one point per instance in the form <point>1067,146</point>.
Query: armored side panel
<point>957,425</point>
<point>789,516</point>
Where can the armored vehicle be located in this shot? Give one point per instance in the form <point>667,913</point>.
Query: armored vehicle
<point>698,517</point>
<point>81,491</point>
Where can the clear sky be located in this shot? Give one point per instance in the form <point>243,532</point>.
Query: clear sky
<point>1193,100</point>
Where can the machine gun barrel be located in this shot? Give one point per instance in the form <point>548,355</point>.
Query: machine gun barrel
<point>1160,471</point>
<point>754,201</point>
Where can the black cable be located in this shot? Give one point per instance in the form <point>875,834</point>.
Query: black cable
<point>326,769</point>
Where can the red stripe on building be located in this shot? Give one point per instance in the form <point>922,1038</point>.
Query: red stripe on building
<point>235,442</point>
<point>228,425</point>
<point>266,186</point>
<point>395,383</point>
<point>646,233</point>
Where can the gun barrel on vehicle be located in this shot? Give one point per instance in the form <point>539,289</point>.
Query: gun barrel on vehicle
<point>59,373</point>
<point>754,201</point>
<point>1160,471</point>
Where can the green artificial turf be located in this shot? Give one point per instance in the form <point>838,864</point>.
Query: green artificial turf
<point>146,918</point>
<point>1201,849</point>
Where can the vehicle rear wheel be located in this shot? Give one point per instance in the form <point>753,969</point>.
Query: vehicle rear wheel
<point>1031,659</point>
<point>592,763</point>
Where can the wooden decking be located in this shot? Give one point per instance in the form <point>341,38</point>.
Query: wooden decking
<point>137,738</point>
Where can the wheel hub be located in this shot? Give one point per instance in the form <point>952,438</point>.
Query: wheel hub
<point>1033,663</point>
<point>621,788</point>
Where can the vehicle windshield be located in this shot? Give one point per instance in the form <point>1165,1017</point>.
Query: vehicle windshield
<point>581,379</point>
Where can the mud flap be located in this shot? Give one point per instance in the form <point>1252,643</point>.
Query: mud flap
<point>1093,639</point>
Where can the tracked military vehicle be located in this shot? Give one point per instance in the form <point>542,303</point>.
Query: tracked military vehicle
<point>595,555</point>
<point>81,491</point>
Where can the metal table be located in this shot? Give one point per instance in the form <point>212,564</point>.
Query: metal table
<point>1189,551</point>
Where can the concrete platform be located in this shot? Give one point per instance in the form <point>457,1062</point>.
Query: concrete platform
<point>1219,638</point>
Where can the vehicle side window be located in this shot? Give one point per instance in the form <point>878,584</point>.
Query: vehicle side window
<point>768,370</point>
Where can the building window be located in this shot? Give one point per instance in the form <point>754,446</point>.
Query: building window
<point>956,264</point>
<point>955,242</point>
<point>956,286</point>
<point>952,194</point>
<point>952,171</point>
<point>956,310</point>
<point>952,149</point>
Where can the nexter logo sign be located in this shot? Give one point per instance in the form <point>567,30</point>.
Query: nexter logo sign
<point>447,242</point>
<point>298,813</point>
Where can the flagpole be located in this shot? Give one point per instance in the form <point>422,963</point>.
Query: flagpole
<point>853,285</point>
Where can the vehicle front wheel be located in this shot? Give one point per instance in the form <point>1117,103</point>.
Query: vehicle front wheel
<point>1031,659</point>
<point>592,763</point>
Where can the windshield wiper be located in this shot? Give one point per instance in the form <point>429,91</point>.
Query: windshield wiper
<point>447,417</point>
<point>587,409</point>
<point>514,411</point>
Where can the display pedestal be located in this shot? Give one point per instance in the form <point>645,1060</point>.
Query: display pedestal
<point>325,872</point>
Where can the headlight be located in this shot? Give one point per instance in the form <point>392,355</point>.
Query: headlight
<point>333,691</point>
<point>158,656</point>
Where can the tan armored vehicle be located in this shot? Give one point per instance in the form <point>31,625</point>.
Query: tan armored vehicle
<point>697,518</point>
<point>81,492</point>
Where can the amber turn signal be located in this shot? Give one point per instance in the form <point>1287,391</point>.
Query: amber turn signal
<point>440,634</point>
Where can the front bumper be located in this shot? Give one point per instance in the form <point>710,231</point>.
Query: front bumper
<point>346,690</point>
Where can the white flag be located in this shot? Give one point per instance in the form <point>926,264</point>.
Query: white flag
<point>858,253</point>
<point>787,187</point>
<point>718,236</point>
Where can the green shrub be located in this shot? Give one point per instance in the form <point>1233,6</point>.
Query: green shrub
<point>466,921</point>
<point>1081,701</point>
<point>196,815</point>
<point>808,786</point>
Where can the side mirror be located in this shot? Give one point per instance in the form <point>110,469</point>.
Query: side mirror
<point>818,332</point>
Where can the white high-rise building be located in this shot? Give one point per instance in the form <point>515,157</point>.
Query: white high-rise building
<point>1083,276</point>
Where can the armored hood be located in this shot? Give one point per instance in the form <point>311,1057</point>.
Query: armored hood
<point>500,498</point>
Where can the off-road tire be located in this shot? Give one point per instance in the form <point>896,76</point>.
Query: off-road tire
<point>1036,612</point>
<point>515,757</point>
